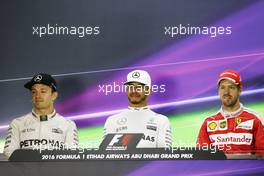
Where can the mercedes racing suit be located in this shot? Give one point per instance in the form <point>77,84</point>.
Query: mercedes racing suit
<point>156,127</point>
<point>32,131</point>
<point>237,132</point>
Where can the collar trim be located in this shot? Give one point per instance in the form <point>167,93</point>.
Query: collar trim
<point>138,108</point>
<point>232,114</point>
<point>50,116</point>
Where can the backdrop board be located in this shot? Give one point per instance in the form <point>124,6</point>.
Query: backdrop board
<point>90,46</point>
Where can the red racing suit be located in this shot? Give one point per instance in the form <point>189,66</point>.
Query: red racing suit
<point>237,132</point>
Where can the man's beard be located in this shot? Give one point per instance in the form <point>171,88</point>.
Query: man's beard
<point>230,102</point>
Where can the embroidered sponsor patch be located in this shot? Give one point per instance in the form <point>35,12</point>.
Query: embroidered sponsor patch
<point>223,124</point>
<point>247,125</point>
<point>122,121</point>
<point>232,138</point>
<point>121,128</point>
<point>217,125</point>
<point>151,127</point>
<point>212,125</point>
<point>238,120</point>
<point>28,130</point>
<point>57,130</point>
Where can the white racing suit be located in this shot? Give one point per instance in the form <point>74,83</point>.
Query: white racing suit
<point>34,132</point>
<point>156,127</point>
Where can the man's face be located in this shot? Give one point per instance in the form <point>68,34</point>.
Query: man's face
<point>137,93</point>
<point>42,96</point>
<point>229,93</point>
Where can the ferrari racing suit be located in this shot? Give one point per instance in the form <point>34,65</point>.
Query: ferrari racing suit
<point>241,131</point>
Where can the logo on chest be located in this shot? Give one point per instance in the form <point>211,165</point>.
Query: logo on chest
<point>217,125</point>
<point>151,124</point>
<point>152,127</point>
<point>56,130</point>
<point>28,130</point>
<point>247,125</point>
<point>121,128</point>
<point>122,121</point>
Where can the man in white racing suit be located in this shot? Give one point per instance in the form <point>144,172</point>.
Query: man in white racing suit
<point>138,118</point>
<point>43,128</point>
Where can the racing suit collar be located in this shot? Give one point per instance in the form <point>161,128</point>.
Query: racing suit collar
<point>232,114</point>
<point>49,116</point>
<point>138,108</point>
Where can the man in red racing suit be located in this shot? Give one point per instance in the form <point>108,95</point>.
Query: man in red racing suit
<point>234,129</point>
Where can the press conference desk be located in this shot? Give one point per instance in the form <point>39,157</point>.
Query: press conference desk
<point>117,163</point>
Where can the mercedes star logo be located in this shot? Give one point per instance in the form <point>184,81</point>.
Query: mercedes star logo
<point>122,121</point>
<point>136,75</point>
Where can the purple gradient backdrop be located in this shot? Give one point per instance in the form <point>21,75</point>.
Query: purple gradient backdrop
<point>189,68</point>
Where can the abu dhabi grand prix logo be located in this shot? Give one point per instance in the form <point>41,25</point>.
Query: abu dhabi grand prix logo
<point>136,75</point>
<point>38,78</point>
